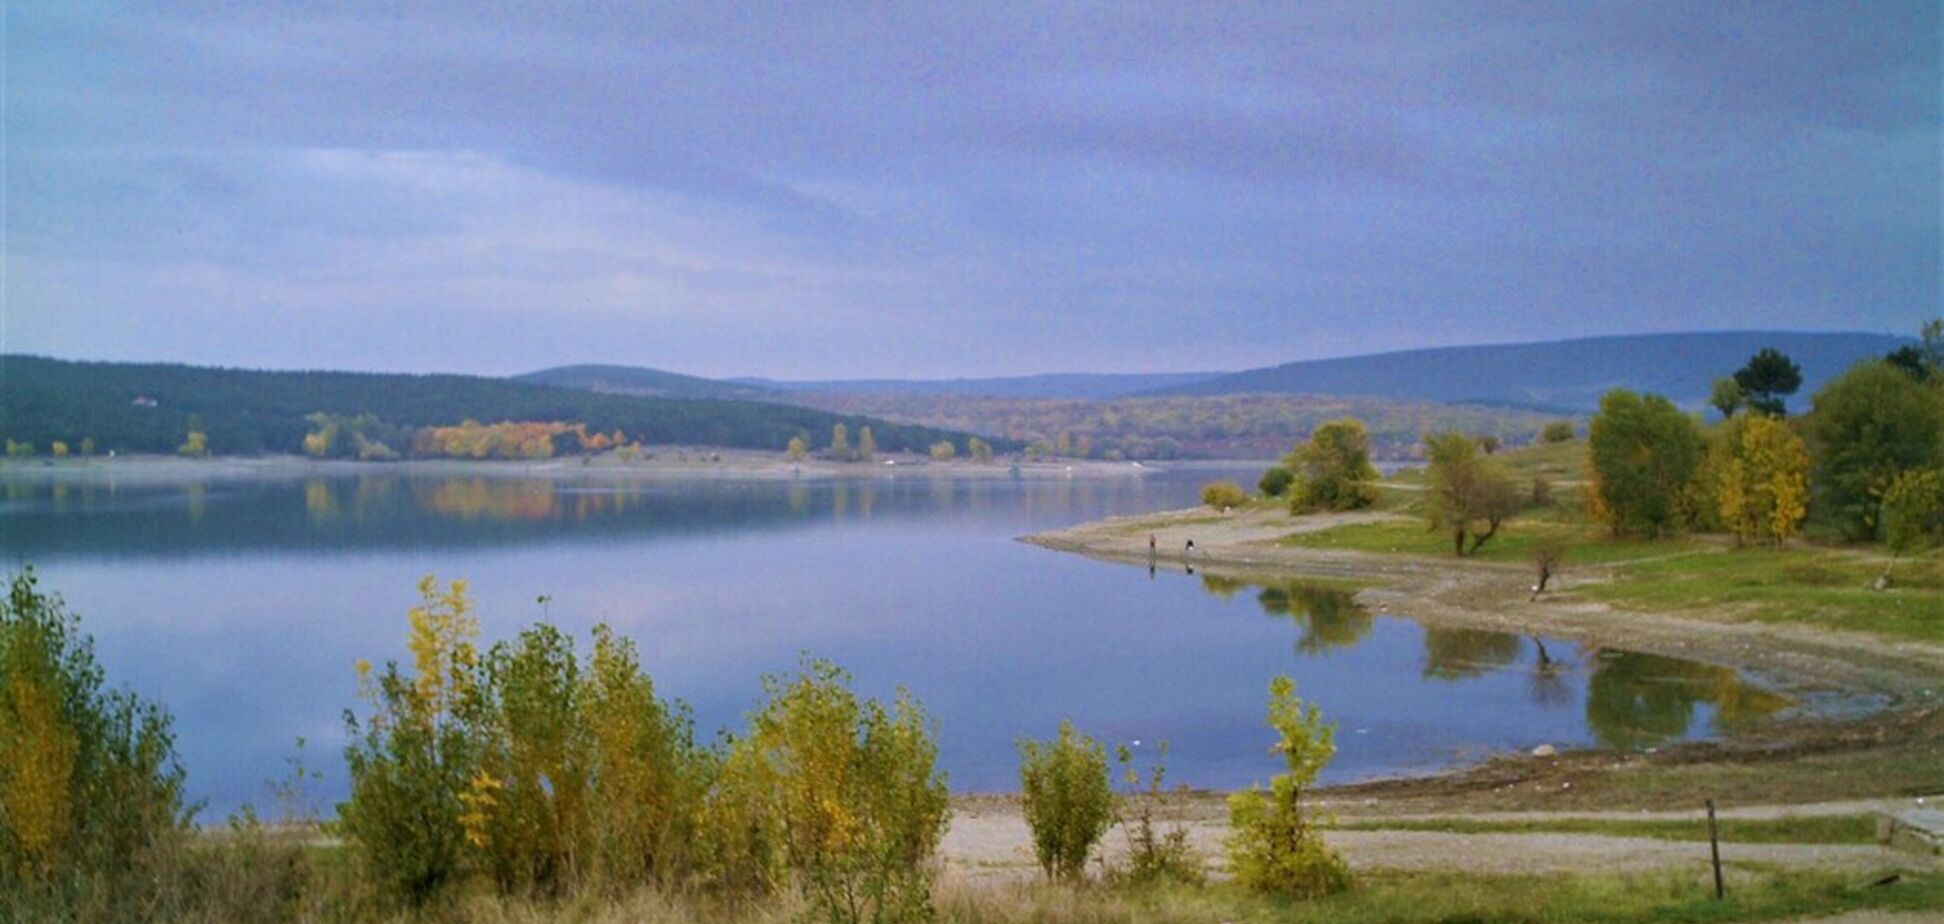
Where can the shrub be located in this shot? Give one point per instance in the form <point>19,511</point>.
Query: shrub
<point>1153,855</point>
<point>1559,431</point>
<point>1223,495</point>
<point>650,777</point>
<point>857,794</point>
<point>1274,847</point>
<point>90,786</point>
<point>414,762</point>
<point>1068,799</point>
<point>1275,481</point>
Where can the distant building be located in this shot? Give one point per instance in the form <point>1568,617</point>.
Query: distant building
<point>145,401</point>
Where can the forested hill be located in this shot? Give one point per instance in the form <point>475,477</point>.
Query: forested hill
<point>133,407</point>
<point>1566,374</point>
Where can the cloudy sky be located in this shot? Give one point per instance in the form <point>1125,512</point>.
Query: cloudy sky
<point>935,189</point>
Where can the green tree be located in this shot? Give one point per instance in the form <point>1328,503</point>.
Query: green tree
<point>1924,360</point>
<point>1274,845</point>
<point>1644,456</point>
<point>90,786</point>
<point>866,444</point>
<point>1727,396</point>
<point>1865,427</point>
<point>1068,799</point>
<point>87,446</point>
<point>1333,470</point>
<point>1275,481</point>
<point>19,450</point>
<point>857,794</point>
<point>798,448</point>
<point>1559,431</point>
<point>1467,494</point>
<point>1768,380</point>
<point>1913,514</point>
<point>943,451</point>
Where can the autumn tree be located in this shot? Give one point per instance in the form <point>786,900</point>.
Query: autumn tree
<point>1333,470</point>
<point>1467,494</point>
<point>1768,380</point>
<point>840,442</point>
<point>1761,473</point>
<point>1644,456</point>
<point>1865,427</point>
<point>58,449</point>
<point>1559,431</point>
<point>1067,798</point>
<point>90,785</point>
<point>943,451</point>
<point>866,444</point>
<point>798,449</point>
<point>979,450</point>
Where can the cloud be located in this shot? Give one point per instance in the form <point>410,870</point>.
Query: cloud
<point>896,189</point>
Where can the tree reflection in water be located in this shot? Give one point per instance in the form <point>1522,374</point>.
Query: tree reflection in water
<point>1454,654</point>
<point>1328,616</point>
<point>1637,700</point>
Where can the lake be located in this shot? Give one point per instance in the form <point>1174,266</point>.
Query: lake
<point>243,603</point>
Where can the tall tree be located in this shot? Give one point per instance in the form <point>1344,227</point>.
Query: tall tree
<point>1468,495</point>
<point>866,444</point>
<point>1867,426</point>
<point>1644,455</point>
<point>1768,380</point>
<point>840,442</point>
<point>1761,473</point>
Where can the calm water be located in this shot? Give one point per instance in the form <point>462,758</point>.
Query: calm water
<point>242,605</point>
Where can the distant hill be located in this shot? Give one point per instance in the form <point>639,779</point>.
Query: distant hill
<point>1566,374</point>
<point>1052,385</point>
<point>145,407</point>
<point>637,380</point>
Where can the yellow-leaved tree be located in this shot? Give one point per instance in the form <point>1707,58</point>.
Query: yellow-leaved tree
<point>1760,470</point>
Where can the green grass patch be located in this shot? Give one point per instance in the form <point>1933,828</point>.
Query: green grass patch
<point>1819,829</point>
<point>1516,542</point>
<point>1823,587</point>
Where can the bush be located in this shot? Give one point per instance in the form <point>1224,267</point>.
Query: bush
<point>1068,799</point>
<point>860,803</point>
<point>1333,470</point>
<point>1274,847</point>
<point>90,786</point>
<point>1275,481</point>
<point>1153,855</point>
<point>414,761</point>
<point>1559,431</point>
<point>1223,495</point>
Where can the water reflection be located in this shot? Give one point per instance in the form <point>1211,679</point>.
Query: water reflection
<point>1636,700</point>
<point>1632,700</point>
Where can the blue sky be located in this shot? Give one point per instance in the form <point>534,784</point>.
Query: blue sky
<point>916,189</point>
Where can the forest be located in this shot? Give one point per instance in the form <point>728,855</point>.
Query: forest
<point>129,407</point>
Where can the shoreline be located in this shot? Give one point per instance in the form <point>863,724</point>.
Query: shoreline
<point>666,462</point>
<point>1857,695</point>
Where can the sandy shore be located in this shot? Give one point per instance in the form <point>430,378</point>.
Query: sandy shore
<point>1838,672</point>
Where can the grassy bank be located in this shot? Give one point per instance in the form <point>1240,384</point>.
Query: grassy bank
<point>1818,829</point>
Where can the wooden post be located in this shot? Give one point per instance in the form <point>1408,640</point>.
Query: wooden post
<point>1714,849</point>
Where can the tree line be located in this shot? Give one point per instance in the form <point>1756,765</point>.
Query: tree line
<point>89,408</point>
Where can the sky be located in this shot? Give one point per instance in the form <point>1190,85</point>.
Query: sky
<point>950,189</point>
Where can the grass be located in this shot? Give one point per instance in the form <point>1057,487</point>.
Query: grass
<point>1517,541</point>
<point>1807,829</point>
<point>1816,586</point>
<point>1448,898</point>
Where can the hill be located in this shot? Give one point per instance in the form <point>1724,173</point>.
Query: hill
<point>1569,375</point>
<point>1052,385</point>
<point>637,380</point>
<point>1227,426</point>
<point>141,407</point>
